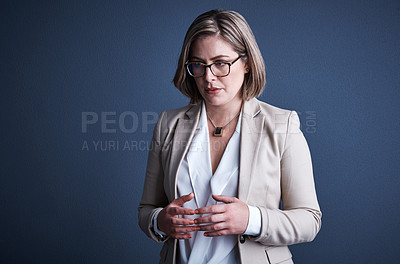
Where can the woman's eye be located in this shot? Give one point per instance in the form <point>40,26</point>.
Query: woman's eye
<point>197,65</point>
<point>220,63</point>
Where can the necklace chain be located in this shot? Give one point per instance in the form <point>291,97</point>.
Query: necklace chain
<point>218,130</point>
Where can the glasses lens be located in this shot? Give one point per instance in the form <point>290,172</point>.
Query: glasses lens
<point>195,69</point>
<point>220,69</point>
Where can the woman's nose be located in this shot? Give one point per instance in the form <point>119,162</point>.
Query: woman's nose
<point>209,75</point>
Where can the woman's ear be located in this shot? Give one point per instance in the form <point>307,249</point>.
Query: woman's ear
<point>246,68</point>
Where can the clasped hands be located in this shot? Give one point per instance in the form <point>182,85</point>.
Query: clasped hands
<point>224,219</point>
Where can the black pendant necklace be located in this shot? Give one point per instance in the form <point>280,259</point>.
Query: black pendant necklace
<point>218,130</point>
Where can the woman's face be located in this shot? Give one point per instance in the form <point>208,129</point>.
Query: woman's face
<point>218,91</point>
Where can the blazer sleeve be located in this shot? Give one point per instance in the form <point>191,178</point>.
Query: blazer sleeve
<point>153,197</point>
<point>300,218</point>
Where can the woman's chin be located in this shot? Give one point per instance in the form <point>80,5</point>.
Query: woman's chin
<point>220,101</point>
<point>214,101</point>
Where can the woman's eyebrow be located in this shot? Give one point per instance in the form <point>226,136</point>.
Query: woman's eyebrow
<point>213,58</point>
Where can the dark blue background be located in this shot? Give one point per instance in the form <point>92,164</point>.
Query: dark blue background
<point>335,62</point>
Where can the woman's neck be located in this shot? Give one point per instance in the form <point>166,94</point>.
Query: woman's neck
<point>222,114</point>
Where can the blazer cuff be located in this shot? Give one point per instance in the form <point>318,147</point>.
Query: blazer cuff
<point>254,225</point>
<point>156,230</point>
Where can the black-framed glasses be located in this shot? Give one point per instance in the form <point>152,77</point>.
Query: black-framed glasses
<point>218,69</point>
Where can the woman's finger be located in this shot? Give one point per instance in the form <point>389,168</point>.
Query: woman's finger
<point>224,198</point>
<point>212,209</point>
<point>180,211</point>
<point>183,229</point>
<point>222,232</point>
<point>182,221</point>
<point>181,236</point>
<point>213,227</point>
<point>183,199</point>
<point>215,218</point>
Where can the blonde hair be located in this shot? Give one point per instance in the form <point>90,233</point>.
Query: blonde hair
<point>233,28</point>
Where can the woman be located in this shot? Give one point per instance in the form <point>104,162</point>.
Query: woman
<point>229,178</point>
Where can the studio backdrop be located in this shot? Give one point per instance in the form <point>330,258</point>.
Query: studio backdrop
<point>83,83</point>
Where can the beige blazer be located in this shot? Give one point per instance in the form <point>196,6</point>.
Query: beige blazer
<point>275,165</point>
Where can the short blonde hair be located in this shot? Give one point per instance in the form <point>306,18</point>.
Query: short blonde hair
<point>232,27</point>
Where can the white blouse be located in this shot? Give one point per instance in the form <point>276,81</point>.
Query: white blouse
<point>195,175</point>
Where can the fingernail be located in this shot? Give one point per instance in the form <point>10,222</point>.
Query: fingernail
<point>205,234</point>
<point>195,221</point>
<point>196,212</point>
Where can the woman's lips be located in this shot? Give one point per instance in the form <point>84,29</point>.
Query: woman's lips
<point>213,90</point>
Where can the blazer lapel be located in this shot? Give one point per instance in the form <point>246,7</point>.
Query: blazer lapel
<point>184,132</point>
<point>250,136</point>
